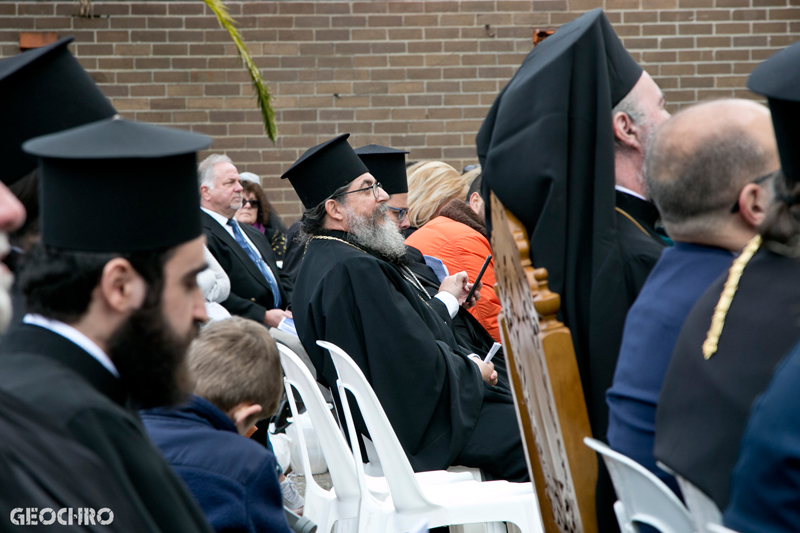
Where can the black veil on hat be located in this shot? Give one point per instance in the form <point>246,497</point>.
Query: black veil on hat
<point>44,90</point>
<point>324,168</point>
<point>387,165</point>
<point>546,149</point>
<point>118,186</point>
<point>778,78</point>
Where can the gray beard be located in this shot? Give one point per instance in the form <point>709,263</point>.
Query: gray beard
<point>647,139</point>
<point>377,233</point>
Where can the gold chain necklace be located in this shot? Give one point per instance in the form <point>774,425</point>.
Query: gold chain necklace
<point>413,279</point>
<point>328,238</point>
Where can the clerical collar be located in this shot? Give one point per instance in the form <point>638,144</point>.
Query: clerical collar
<point>644,211</point>
<point>72,334</point>
<point>620,188</point>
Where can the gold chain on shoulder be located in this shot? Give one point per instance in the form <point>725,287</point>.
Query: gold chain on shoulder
<point>731,285</point>
<point>414,282</point>
<point>328,238</point>
<point>626,215</point>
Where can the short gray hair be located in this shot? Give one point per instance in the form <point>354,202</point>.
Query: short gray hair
<point>205,170</point>
<point>631,106</point>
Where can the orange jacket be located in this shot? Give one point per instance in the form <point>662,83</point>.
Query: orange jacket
<point>460,247</point>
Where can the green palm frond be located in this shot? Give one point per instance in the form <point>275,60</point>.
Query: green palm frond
<point>262,93</point>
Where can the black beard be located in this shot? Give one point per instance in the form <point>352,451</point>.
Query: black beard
<point>151,358</point>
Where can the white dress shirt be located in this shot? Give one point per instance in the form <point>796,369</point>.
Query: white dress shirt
<point>72,334</point>
<point>450,302</point>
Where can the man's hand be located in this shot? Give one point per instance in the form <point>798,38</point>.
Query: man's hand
<point>488,373</point>
<point>459,286</point>
<point>273,317</point>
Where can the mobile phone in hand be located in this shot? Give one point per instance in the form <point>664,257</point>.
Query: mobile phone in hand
<point>478,279</point>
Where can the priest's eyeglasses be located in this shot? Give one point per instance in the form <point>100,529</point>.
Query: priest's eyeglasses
<point>374,188</point>
<point>762,179</point>
<point>401,213</point>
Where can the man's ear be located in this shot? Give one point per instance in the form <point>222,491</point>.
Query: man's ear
<point>625,130</point>
<point>334,209</point>
<point>204,192</point>
<point>753,204</point>
<point>121,287</point>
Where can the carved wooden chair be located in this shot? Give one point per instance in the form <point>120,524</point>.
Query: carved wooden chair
<point>543,371</point>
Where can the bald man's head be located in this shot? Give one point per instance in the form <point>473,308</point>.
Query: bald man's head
<point>703,156</point>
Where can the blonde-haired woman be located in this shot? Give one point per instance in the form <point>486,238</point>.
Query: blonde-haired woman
<point>430,186</point>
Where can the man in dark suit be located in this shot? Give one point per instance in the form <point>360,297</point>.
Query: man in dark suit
<point>260,290</point>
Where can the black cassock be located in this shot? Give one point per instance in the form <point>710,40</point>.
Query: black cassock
<point>79,395</point>
<point>637,247</point>
<point>547,152</point>
<point>440,408</point>
<point>470,334</point>
<point>44,467</point>
<point>704,404</point>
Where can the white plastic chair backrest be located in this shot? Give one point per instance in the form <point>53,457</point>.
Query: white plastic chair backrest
<point>403,486</point>
<point>718,528</point>
<point>702,508</point>
<point>334,447</point>
<point>645,497</point>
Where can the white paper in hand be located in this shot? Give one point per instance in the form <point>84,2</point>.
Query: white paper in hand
<point>495,347</point>
<point>287,324</point>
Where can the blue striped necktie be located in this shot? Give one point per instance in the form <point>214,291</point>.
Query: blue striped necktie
<point>253,255</point>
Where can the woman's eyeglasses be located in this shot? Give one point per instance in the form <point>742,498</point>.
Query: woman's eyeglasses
<point>255,204</point>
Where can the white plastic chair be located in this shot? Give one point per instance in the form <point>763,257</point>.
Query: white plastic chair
<point>341,503</point>
<point>643,498</point>
<point>703,509</point>
<point>467,502</point>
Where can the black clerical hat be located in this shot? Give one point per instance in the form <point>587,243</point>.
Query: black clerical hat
<point>591,31</point>
<point>43,91</point>
<point>387,165</point>
<point>324,168</point>
<point>118,186</point>
<point>778,78</point>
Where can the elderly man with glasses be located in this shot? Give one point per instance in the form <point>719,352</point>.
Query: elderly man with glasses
<point>355,289</point>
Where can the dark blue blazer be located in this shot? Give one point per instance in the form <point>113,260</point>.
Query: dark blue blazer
<point>765,486</point>
<point>652,326</point>
<point>233,478</point>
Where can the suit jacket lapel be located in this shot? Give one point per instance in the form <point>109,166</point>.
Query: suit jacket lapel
<point>221,233</point>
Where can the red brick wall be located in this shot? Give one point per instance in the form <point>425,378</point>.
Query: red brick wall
<point>418,75</point>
